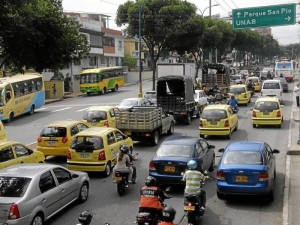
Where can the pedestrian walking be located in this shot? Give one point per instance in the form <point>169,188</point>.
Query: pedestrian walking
<point>54,91</point>
<point>296,90</point>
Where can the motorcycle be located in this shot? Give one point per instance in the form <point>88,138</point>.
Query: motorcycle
<point>121,177</point>
<point>149,218</point>
<point>192,206</point>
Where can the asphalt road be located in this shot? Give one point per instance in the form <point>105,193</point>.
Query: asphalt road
<point>104,201</point>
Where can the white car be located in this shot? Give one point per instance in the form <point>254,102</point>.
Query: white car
<point>272,88</point>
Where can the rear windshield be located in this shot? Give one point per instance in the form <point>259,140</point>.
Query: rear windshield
<point>266,106</point>
<point>54,132</point>
<point>213,114</point>
<point>271,86</point>
<point>95,116</point>
<point>13,186</point>
<point>253,80</point>
<point>238,90</point>
<point>174,150</point>
<point>87,143</point>
<point>243,157</point>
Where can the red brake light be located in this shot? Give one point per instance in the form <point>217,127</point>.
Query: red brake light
<point>64,140</point>
<point>263,176</point>
<point>39,139</point>
<point>200,123</point>
<point>106,124</point>
<point>69,155</point>
<point>148,135</point>
<point>220,175</point>
<point>101,156</point>
<point>152,166</point>
<point>226,124</point>
<point>278,114</point>
<point>253,113</point>
<point>245,95</point>
<point>13,212</point>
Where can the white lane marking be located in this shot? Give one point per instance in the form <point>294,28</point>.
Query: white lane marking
<point>61,109</point>
<point>80,110</point>
<point>40,109</point>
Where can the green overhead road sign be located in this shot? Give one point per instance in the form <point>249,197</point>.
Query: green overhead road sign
<point>267,16</point>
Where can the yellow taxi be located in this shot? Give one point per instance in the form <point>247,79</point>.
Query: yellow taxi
<point>2,131</point>
<point>12,152</point>
<point>56,137</point>
<point>95,149</point>
<point>218,120</point>
<point>267,111</point>
<point>255,81</point>
<point>100,116</point>
<point>241,93</point>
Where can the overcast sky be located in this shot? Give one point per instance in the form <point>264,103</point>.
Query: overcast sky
<point>284,34</point>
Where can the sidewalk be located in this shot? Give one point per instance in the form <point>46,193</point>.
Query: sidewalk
<point>291,201</point>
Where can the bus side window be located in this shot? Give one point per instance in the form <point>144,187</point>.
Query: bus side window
<point>7,96</point>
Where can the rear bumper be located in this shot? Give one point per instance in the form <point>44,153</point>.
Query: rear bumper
<point>167,179</point>
<point>214,131</point>
<point>87,167</point>
<point>54,151</point>
<point>261,188</point>
<point>264,121</point>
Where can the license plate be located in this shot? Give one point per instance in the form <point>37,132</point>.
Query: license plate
<point>84,155</point>
<point>127,132</point>
<point>266,113</point>
<point>189,208</point>
<point>213,122</point>
<point>241,179</point>
<point>170,169</point>
<point>94,124</point>
<point>118,178</point>
<point>51,143</point>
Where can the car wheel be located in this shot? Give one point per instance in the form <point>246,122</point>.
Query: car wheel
<point>31,112</point>
<point>11,117</point>
<point>171,129</point>
<point>254,125</point>
<point>38,219</point>
<point>202,136</point>
<point>104,90</point>
<point>279,126</point>
<point>270,196</point>
<point>229,135</point>
<point>155,137</point>
<point>220,196</point>
<point>88,93</point>
<point>212,165</point>
<point>107,170</point>
<point>115,88</point>
<point>236,127</point>
<point>84,192</point>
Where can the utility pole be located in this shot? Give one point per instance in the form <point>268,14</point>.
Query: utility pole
<point>140,54</point>
<point>210,53</point>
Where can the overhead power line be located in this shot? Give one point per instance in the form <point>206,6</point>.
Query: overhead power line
<point>227,5</point>
<point>223,8</point>
<point>234,4</point>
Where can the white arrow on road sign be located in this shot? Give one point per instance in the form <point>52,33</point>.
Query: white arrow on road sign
<point>288,18</point>
<point>238,14</point>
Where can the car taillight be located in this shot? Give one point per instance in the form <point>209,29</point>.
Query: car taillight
<point>106,124</point>
<point>200,123</point>
<point>253,113</point>
<point>39,139</point>
<point>118,174</point>
<point>263,176</point>
<point>13,212</point>
<point>148,135</point>
<point>69,155</point>
<point>278,114</point>
<point>101,156</point>
<point>245,95</point>
<point>64,140</point>
<point>152,166</point>
<point>226,124</point>
<point>220,175</point>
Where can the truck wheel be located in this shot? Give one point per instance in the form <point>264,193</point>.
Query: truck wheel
<point>155,137</point>
<point>171,129</point>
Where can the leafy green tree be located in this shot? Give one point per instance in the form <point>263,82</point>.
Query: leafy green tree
<point>160,21</point>
<point>129,61</point>
<point>36,34</point>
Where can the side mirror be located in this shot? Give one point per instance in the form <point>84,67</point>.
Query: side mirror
<point>74,175</point>
<point>275,151</point>
<point>221,150</point>
<point>205,173</point>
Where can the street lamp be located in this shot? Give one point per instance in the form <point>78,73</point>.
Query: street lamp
<point>202,12</point>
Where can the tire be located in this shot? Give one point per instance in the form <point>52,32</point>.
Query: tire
<point>84,192</point>
<point>201,135</point>
<point>115,88</point>
<point>171,129</point>
<point>104,90</point>
<point>191,216</point>
<point>121,188</point>
<point>212,165</point>
<point>88,93</point>
<point>31,112</point>
<point>107,170</point>
<point>254,125</point>
<point>229,135</point>
<point>38,219</point>
<point>279,126</point>
<point>155,137</point>
<point>270,196</point>
<point>220,196</point>
<point>11,117</point>
<point>236,127</point>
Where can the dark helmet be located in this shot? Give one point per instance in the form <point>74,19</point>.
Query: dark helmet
<point>124,148</point>
<point>150,181</point>
<point>168,214</point>
<point>85,218</point>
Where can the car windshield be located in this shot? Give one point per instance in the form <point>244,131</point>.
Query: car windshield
<point>266,106</point>
<point>174,150</point>
<point>237,90</point>
<point>54,132</point>
<point>88,143</point>
<point>132,102</point>
<point>214,114</point>
<point>95,116</point>
<point>243,157</point>
<point>271,86</point>
<point>13,186</point>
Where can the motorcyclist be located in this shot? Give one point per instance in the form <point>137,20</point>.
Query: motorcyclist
<point>233,103</point>
<point>124,163</point>
<point>151,197</point>
<point>168,215</point>
<point>250,86</point>
<point>193,179</point>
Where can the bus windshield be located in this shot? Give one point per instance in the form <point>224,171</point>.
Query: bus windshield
<point>88,78</point>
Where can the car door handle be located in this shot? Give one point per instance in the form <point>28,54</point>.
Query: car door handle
<point>43,200</point>
<point>63,190</point>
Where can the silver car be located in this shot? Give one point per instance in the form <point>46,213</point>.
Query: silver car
<point>32,193</point>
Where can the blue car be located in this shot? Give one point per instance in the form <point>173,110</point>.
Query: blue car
<point>246,168</point>
<point>170,161</point>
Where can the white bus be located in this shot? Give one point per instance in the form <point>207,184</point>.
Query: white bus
<point>285,68</point>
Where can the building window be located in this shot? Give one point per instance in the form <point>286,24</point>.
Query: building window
<point>108,41</point>
<point>136,46</point>
<point>93,61</point>
<point>120,45</point>
<point>102,60</point>
<point>77,62</point>
<point>95,41</point>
